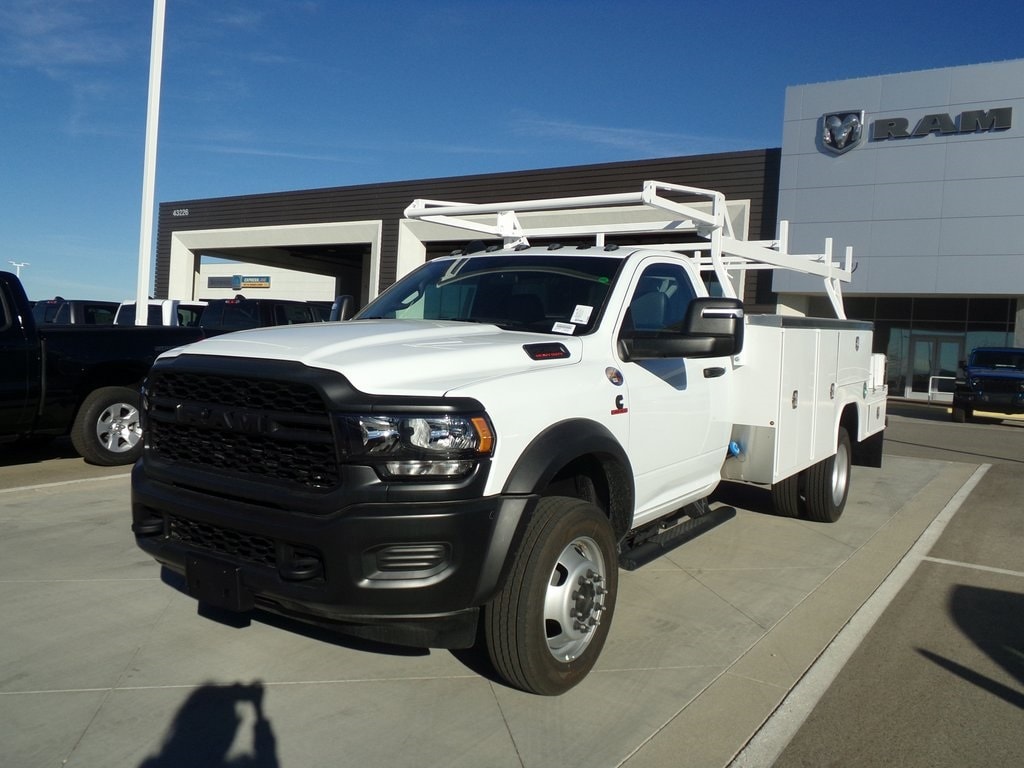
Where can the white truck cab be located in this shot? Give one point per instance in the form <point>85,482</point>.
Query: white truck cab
<point>487,442</point>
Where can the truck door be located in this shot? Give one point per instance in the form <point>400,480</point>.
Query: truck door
<point>17,354</point>
<point>678,431</point>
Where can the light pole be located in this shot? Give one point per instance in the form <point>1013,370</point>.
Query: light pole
<point>149,164</point>
<point>17,267</point>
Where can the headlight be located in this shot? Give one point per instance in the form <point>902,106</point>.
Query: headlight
<point>430,446</point>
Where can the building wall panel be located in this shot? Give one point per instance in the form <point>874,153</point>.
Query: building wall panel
<point>751,175</point>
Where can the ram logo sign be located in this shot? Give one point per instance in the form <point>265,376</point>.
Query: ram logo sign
<point>943,124</point>
<point>842,131</point>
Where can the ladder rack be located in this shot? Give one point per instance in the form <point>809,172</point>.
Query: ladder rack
<point>707,219</point>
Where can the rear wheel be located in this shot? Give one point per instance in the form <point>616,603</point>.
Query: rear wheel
<point>546,627</point>
<point>827,483</point>
<point>107,430</point>
<point>786,498</point>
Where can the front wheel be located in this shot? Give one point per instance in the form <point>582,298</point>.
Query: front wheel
<point>961,414</point>
<point>546,627</point>
<point>828,483</point>
<point>107,430</point>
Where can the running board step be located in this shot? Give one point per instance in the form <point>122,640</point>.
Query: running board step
<point>657,545</point>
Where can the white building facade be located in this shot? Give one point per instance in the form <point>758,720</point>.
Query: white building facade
<point>922,173</point>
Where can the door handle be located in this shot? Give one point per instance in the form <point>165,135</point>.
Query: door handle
<point>713,373</point>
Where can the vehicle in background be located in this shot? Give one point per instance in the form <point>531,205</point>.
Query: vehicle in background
<point>61,311</point>
<point>173,312</point>
<point>239,313</point>
<point>342,308</point>
<point>990,379</point>
<point>322,308</point>
<point>78,380</point>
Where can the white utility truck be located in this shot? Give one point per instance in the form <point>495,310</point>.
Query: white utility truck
<point>487,442</point>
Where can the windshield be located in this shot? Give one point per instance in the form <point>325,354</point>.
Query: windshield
<point>543,293</point>
<point>1006,359</point>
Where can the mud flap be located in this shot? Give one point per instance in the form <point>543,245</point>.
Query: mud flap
<point>868,452</point>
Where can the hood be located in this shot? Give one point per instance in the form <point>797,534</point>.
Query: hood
<point>401,357</point>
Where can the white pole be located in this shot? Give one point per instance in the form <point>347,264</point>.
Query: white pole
<point>17,266</point>
<point>149,166</point>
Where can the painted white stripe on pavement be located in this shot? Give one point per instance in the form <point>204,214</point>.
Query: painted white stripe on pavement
<point>64,482</point>
<point>974,566</point>
<point>779,729</point>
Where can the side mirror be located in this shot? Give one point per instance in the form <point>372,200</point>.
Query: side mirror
<point>713,327</point>
<point>343,307</point>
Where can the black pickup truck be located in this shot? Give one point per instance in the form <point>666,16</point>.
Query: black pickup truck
<point>76,380</point>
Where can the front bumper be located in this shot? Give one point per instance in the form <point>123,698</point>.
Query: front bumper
<point>408,572</point>
<point>997,402</point>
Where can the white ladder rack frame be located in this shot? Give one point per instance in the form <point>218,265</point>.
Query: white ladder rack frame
<point>724,251</point>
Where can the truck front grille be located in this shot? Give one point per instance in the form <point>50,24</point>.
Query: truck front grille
<point>271,431</point>
<point>1000,386</point>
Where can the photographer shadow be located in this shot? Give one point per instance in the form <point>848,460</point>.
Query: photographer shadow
<point>210,722</point>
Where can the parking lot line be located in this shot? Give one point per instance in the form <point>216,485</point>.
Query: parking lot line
<point>974,566</point>
<point>63,483</point>
<point>778,730</point>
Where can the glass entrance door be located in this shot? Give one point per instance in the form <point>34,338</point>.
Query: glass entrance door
<point>933,363</point>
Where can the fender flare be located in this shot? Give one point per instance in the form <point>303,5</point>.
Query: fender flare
<point>550,451</point>
<point>569,440</point>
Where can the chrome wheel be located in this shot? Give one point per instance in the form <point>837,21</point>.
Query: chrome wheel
<point>841,473</point>
<point>118,428</point>
<point>575,600</point>
<point>827,483</point>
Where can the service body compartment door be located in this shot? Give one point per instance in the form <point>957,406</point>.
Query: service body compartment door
<point>826,391</point>
<point>798,404</point>
<point>791,377</point>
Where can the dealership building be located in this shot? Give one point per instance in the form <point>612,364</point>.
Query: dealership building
<point>921,173</point>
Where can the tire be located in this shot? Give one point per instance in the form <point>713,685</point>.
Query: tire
<point>546,627</point>
<point>827,484</point>
<point>959,415</point>
<point>786,497</point>
<point>107,430</point>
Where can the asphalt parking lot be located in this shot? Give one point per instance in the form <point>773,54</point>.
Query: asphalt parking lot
<point>723,651</point>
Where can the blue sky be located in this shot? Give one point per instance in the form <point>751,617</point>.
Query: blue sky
<point>270,95</point>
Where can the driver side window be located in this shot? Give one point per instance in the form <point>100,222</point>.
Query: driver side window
<point>660,299</point>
